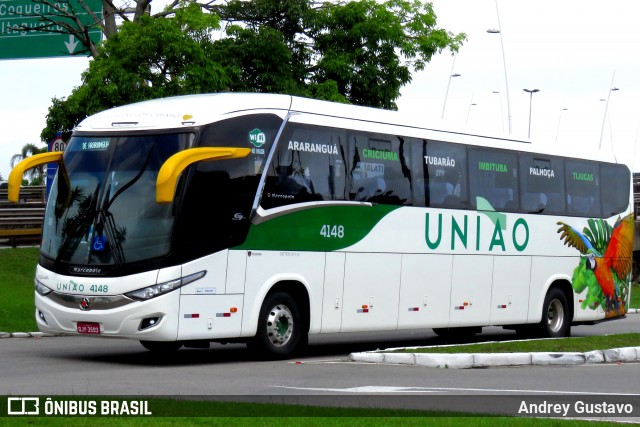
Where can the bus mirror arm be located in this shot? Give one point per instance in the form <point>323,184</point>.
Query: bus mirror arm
<point>15,176</point>
<point>173,167</point>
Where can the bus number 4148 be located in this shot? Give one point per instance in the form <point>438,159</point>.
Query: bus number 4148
<point>332,231</point>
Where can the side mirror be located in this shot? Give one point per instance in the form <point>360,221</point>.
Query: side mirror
<point>173,167</point>
<point>15,177</point>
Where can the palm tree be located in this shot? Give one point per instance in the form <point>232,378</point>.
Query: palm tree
<point>36,174</point>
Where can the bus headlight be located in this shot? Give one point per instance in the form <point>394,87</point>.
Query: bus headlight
<point>163,288</point>
<point>42,289</point>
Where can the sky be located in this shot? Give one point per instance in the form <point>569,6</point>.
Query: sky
<point>573,51</point>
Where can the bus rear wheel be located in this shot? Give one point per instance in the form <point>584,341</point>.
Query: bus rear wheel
<point>162,346</point>
<point>281,331</point>
<point>556,322</point>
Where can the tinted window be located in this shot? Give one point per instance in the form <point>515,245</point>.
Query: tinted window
<point>308,166</point>
<point>444,174</point>
<point>542,184</point>
<point>616,181</point>
<point>379,169</point>
<point>583,188</point>
<point>103,208</point>
<point>256,132</point>
<point>493,180</point>
<point>219,194</point>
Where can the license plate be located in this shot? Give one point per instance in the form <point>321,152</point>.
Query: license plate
<point>88,328</point>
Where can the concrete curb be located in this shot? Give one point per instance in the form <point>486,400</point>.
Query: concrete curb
<point>488,360</point>
<point>25,335</point>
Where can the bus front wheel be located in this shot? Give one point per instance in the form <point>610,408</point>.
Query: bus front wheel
<point>281,330</point>
<point>556,320</point>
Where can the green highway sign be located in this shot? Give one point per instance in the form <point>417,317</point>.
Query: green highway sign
<point>20,44</point>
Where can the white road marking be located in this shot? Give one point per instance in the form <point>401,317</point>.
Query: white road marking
<point>392,389</point>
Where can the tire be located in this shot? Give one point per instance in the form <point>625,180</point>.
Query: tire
<point>162,346</point>
<point>556,321</point>
<point>281,329</point>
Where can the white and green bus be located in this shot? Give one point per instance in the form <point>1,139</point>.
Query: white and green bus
<point>265,218</point>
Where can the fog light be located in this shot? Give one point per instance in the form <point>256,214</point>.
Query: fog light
<point>149,322</point>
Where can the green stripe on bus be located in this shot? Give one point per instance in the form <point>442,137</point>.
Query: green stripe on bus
<point>316,229</point>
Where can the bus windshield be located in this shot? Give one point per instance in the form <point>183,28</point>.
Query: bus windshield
<point>102,208</point>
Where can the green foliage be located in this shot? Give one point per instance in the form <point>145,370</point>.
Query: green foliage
<point>357,44</point>
<point>149,58</point>
<point>599,234</point>
<point>360,52</point>
<point>585,279</point>
<point>17,271</point>
<point>635,296</point>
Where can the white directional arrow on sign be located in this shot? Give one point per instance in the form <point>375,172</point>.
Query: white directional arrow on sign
<point>71,44</point>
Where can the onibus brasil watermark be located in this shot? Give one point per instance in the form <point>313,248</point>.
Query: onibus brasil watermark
<point>36,406</point>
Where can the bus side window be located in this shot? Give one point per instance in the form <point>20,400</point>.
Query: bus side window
<point>616,180</point>
<point>380,169</point>
<point>493,179</point>
<point>583,188</point>
<point>444,167</point>
<point>307,166</point>
<point>541,184</point>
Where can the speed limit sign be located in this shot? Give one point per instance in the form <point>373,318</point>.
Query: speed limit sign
<point>58,145</point>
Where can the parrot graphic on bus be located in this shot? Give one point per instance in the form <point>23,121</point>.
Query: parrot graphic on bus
<point>605,263</point>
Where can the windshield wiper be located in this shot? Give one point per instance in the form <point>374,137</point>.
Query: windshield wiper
<point>107,202</point>
<point>115,236</point>
<point>78,225</point>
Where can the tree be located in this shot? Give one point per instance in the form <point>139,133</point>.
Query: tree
<point>360,52</point>
<point>37,174</point>
<point>63,17</point>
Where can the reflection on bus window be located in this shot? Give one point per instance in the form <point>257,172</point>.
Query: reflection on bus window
<point>583,188</point>
<point>542,184</point>
<point>445,170</point>
<point>307,166</point>
<point>493,180</point>
<point>614,202</point>
<point>379,169</point>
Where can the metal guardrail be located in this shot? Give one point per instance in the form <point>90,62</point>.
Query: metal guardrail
<point>21,223</point>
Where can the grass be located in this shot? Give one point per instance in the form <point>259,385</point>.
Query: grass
<point>635,296</point>
<point>578,344</point>
<point>251,414</point>
<point>17,271</point>
<point>364,421</point>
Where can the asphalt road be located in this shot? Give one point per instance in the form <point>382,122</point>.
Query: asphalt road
<point>99,366</point>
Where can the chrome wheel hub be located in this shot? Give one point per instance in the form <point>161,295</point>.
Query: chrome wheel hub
<point>280,325</point>
<point>555,315</point>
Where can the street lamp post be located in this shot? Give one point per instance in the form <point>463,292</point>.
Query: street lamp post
<point>469,111</point>
<point>446,95</point>
<point>504,65</point>
<point>531,92</point>
<point>606,108</point>
<point>559,120</point>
